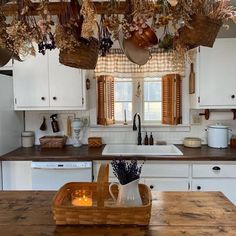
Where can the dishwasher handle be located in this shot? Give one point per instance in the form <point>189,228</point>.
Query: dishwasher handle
<point>61,165</point>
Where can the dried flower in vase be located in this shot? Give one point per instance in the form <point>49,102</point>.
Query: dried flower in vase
<point>126,171</point>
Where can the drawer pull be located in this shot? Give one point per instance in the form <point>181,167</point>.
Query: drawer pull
<point>151,187</point>
<point>216,168</point>
<point>198,187</point>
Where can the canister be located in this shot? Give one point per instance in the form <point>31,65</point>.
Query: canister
<point>217,136</point>
<point>27,139</point>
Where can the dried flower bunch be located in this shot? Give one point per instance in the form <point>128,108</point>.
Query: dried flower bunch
<point>68,30</point>
<point>45,24</point>
<point>23,31</point>
<point>89,16</point>
<point>3,31</point>
<point>126,171</point>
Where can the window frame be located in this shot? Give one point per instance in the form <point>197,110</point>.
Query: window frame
<point>138,102</point>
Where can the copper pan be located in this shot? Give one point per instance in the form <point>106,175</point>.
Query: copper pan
<point>146,39</point>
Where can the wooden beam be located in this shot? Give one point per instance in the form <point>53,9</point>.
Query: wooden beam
<point>56,8</point>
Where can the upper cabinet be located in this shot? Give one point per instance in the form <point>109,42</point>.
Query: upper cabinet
<point>216,76</point>
<point>42,83</point>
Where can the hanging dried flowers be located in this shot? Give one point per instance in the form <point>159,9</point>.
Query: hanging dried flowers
<point>45,24</point>
<point>23,31</point>
<point>68,30</point>
<point>3,32</point>
<point>89,14</point>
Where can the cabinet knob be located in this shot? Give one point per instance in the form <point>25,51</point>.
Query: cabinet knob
<point>199,187</point>
<point>216,168</point>
<point>151,187</point>
<point>233,96</point>
<point>54,98</point>
<point>43,98</point>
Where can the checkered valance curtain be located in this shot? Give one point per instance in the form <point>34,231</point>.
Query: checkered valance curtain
<point>117,64</point>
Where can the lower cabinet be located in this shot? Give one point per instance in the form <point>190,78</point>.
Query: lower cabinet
<point>159,177</point>
<point>16,175</point>
<point>189,176</point>
<point>215,177</point>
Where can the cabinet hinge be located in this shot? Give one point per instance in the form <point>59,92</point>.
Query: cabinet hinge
<point>15,101</point>
<point>83,101</point>
<point>188,186</point>
<point>198,99</point>
<point>199,49</point>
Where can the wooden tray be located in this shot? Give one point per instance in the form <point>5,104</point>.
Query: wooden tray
<point>103,210</point>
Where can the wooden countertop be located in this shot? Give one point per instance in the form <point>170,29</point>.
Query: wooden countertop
<point>69,153</point>
<point>173,214</point>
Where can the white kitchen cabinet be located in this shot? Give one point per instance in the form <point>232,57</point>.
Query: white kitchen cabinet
<point>16,175</point>
<point>215,76</point>
<point>159,176</point>
<point>216,177</point>
<point>42,83</point>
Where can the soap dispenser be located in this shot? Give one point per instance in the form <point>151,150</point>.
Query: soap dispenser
<point>146,139</point>
<point>151,139</point>
<point>54,123</point>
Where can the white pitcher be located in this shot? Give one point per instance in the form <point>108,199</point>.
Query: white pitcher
<point>128,194</point>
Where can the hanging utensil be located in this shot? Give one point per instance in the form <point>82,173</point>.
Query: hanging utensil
<point>43,126</point>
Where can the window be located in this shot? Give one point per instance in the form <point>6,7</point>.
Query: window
<point>123,90</point>
<point>158,100</point>
<point>152,102</point>
<point>142,95</point>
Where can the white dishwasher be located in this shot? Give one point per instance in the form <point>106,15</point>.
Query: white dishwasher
<point>52,175</point>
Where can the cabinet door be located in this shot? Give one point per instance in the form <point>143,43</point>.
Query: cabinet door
<point>31,82</point>
<point>226,186</point>
<point>16,175</point>
<point>165,184</point>
<point>66,84</point>
<point>214,171</point>
<point>217,74</point>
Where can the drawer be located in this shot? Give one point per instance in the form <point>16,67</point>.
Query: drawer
<point>169,184</point>
<point>156,170</point>
<point>214,171</point>
<point>165,170</point>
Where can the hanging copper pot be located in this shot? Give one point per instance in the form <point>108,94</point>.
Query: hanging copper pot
<point>145,39</point>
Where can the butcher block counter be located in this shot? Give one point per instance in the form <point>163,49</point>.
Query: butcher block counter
<point>69,153</point>
<point>173,214</point>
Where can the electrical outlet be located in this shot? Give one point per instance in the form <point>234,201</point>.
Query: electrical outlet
<point>196,119</point>
<point>85,120</point>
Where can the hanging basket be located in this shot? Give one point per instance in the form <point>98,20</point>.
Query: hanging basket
<point>84,56</point>
<point>202,31</point>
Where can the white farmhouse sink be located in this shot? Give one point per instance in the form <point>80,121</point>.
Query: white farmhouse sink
<point>141,150</point>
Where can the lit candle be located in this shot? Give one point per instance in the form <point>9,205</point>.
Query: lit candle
<point>81,198</point>
<point>125,121</point>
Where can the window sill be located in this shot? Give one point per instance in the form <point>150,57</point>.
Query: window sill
<point>145,127</point>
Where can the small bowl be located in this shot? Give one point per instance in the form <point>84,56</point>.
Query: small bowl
<point>192,142</point>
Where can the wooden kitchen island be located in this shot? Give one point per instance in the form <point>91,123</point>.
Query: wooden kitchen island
<point>173,214</point>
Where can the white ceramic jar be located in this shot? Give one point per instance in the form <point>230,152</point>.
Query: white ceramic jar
<point>76,125</point>
<point>217,136</point>
<point>27,139</point>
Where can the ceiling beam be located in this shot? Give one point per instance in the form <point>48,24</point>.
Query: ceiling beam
<point>56,8</point>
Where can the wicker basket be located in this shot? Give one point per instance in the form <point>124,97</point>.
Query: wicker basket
<point>103,210</point>
<point>84,56</point>
<point>203,32</point>
<point>53,141</point>
<point>95,142</point>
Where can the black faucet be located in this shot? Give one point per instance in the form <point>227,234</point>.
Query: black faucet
<point>139,127</point>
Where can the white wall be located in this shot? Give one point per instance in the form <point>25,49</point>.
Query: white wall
<point>121,133</point>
